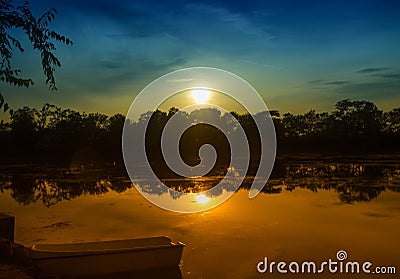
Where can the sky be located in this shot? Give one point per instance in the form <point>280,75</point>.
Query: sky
<point>299,55</point>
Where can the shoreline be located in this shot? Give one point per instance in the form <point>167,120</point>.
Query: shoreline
<point>290,157</point>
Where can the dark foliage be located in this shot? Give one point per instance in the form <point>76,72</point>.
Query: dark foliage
<point>38,33</point>
<point>62,136</point>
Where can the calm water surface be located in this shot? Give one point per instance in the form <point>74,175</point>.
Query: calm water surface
<point>308,211</point>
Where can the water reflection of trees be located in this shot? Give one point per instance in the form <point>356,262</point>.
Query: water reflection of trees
<point>353,182</point>
<point>49,190</point>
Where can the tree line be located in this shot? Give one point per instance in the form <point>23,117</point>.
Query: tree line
<point>352,127</point>
<point>56,134</point>
<point>60,135</point>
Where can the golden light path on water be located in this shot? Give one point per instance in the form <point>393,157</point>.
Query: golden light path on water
<point>198,201</point>
<point>202,199</point>
<point>308,219</point>
<point>292,225</point>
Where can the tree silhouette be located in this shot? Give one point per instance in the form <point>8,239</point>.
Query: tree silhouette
<point>53,133</point>
<point>40,36</point>
<point>23,127</point>
<point>391,121</point>
<point>357,118</point>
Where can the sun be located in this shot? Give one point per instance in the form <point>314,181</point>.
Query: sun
<point>200,95</point>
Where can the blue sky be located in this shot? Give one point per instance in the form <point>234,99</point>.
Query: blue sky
<point>299,55</point>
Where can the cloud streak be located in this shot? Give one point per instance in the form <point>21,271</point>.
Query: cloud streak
<point>391,76</point>
<point>378,89</point>
<point>325,82</point>
<point>372,70</point>
<point>337,82</point>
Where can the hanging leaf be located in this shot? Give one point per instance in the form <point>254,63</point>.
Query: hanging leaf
<point>37,31</point>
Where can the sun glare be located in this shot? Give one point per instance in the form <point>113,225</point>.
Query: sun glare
<point>201,198</point>
<point>200,95</point>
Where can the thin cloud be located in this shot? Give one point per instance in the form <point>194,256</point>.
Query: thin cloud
<point>324,82</point>
<point>237,21</point>
<point>372,70</point>
<point>337,82</point>
<point>384,89</point>
<point>393,76</point>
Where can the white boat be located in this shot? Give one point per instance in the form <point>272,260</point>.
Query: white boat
<point>106,257</point>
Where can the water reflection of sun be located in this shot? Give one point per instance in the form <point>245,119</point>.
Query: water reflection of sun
<point>202,199</point>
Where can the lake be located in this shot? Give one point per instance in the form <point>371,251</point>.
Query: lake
<point>308,211</point>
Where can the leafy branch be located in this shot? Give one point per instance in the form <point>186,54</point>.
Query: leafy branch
<point>41,37</point>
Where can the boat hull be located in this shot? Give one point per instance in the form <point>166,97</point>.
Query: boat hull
<point>108,260</point>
